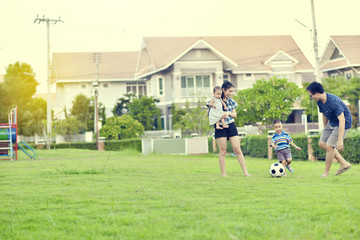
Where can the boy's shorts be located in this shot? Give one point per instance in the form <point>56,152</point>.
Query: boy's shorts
<point>330,135</point>
<point>283,154</point>
<point>227,132</point>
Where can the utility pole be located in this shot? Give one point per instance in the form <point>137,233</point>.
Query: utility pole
<point>317,61</point>
<point>48,108</point>
<point>96,107</point>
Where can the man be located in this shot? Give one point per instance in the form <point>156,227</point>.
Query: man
<point>337,122</point>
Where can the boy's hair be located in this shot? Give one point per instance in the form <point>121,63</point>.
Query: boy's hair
<point>216,89</point>
<point>276,121</point>
<point>315,87</point>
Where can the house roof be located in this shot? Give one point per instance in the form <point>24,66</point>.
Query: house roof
<point>82,65</point>
<point>349,48</point>
<point>248,53</point>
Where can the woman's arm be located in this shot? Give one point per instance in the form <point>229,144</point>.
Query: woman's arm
<point>233,114</point>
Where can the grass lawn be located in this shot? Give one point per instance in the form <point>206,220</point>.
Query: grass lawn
<point>81,194</point>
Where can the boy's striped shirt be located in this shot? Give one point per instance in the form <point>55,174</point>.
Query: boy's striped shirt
<point>282,140</point>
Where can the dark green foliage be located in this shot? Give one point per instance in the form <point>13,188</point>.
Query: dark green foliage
<point>351,152</point>
<point>146,112</point>
<point>255,146</point>
<point>300,141</point>
<point>318,152</point>
<point>265,101</point>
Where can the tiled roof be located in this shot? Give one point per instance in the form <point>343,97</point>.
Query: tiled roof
<point>349,45</point>
<point>111,65</point>
<point>248,52</point>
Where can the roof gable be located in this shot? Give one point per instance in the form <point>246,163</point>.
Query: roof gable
<point>341,51</point>
<point>241,53</point>
<point>281,57</point>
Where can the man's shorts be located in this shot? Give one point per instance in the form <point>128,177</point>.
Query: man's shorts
<point>226,132</point>
<point>283,154</point>
<point>330,135</point>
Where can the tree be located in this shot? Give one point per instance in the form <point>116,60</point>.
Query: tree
<point>83,110</point>
<point>34,118</point>
<point>17,90</point>
<point>193,119</point>
<point>80,109</point>
<point>146,112</point>
<point>69,126</point>
<point>122,127</point>
<point>346,90</point>
<point>266,101</point>
<point>122,105</point>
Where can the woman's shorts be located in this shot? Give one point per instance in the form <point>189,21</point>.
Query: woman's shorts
<point>226,132</point>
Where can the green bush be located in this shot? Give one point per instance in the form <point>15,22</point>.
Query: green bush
<point>114,145</point>
<point>300,141</point>
<point>255,146</point>
<point>120,145</point>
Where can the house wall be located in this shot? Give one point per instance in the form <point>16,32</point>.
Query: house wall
<point>66,93</point>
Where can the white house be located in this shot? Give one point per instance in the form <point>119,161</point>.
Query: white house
<point>179,69</point>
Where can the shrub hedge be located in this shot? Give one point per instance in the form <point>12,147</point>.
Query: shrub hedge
<point>113,145</point>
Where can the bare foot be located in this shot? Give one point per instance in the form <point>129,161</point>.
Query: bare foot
<point>247,175</point>
<point>324,175</point>
<point>224,175</point>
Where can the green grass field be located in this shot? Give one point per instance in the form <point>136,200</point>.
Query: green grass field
<point>81,194</point>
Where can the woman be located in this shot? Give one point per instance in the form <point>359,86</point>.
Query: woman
<point>229,133</point>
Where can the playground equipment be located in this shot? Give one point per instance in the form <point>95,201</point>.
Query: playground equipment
<point>8,139</point>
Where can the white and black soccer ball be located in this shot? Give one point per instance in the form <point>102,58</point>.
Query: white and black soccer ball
<point>277,170</point>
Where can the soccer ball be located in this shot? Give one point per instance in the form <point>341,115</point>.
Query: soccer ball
<point>277,170</point>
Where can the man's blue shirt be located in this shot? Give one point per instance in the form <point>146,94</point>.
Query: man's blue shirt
<point>332,108</point>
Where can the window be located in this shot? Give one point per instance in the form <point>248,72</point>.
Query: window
<point>162,122</point>
<point>161,86</point>
<point>195,86</point>
<point>226,77</point>
<point>105,85</point>
<point>348,74</point>
<point>249,76</point>
<point>137,89</point>
<point>83,86</point>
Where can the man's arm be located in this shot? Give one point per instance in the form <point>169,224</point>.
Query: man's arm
<point>340,143</point>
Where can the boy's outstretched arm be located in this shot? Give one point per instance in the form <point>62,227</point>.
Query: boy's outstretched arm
<point>294,145</point>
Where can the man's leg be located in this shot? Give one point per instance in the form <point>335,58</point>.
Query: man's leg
<point>329,159</point>
<point>337,155</point>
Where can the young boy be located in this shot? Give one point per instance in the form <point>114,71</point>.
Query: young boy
<point>280,141</point>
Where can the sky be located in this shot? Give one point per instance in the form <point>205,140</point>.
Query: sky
<point>120,25</point>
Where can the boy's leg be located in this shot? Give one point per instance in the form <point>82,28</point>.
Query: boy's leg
<point>288,162</point>
<point>283,162</point>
